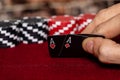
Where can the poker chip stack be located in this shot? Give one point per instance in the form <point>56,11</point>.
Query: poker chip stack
<point>33,30</point>
<point>8,34</point>
<point>60,25</point>
<point>83,20</point>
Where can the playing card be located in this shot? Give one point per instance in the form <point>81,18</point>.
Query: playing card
<point>72,47</point>
<point>68,45</point>
<point>54,44</point>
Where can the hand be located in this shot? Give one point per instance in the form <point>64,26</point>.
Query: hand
<point>107,23</point>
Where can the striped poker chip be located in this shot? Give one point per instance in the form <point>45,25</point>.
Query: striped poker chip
<point>60,25</point>
<point>8,34</point>
<point>83,20</point>
<point>33,30</point>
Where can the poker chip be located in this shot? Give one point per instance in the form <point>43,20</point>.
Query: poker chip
<point>8,34</point>
<point>83,20</point>
<point>33,30</point>
<point>60,25</point>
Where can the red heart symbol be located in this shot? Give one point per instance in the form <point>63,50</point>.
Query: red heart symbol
<point>52,46</point>
<point>67,45</point>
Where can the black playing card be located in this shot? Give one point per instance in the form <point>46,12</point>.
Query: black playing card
<point>55,43</point>
<point>68,45</point>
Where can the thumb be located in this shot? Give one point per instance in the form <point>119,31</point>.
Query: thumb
<point>106,50</point>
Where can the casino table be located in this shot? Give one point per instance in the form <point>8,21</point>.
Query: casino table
<point>33,62</point>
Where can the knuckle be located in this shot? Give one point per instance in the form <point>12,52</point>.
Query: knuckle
<point>103,55</point>
<point>118,16</point>
<point>99,29</point>
<point>100,17</point>
<point>102,11</point>
<point>102,59</point>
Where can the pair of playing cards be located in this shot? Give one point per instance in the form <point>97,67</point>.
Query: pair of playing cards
<point>68,45</point>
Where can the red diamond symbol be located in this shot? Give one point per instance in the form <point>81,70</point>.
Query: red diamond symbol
<point>52,46</point>
<point>67,45</point>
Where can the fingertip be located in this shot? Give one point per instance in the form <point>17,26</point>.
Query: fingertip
<point>89,28</point>
<point>88,45</point>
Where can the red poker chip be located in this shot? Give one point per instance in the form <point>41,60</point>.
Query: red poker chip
<point>64,18</point>
<point>83,20</point>
<point>59,25</point>
<point>87,16</point>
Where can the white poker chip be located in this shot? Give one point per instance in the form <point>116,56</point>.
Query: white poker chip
<point>31,27</point>
<point>8,34</point>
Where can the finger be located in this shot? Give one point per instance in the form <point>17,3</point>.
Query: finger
<point>89,28</point>
<point>107,51</point>
<point>102,16</point>
<point>110,28</point>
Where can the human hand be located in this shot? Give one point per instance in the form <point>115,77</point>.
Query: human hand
<point>107,23</point>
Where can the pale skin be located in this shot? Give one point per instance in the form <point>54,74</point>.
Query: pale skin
<point>107,23</point>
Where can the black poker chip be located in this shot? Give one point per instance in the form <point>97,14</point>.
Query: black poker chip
<point>33,30</point>
<point>8,34</point>
<point>30,29</point>
<point>27,30</point>
<point>8,43</point>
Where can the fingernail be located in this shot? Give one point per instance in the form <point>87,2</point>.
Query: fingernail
<point>89,46</point>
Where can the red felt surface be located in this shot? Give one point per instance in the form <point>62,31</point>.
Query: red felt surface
<point>32,62</point>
